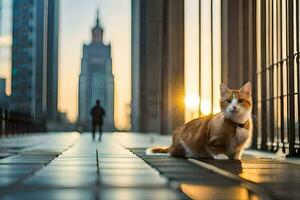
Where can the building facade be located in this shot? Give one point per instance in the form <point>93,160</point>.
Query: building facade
<point>52,59</point>
<point>4,99</point>
<point>35,57</point>
<point>157,65</point>
<point>96,80</point>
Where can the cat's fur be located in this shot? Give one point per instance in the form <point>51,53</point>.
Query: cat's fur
<point>227,132</point>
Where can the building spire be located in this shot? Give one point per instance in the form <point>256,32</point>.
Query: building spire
<point>97,20</point>
<point>97,31</point>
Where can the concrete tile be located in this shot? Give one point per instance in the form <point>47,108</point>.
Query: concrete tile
<point>133,181</point>
<point>52,194</point>
<point>120,160</point>
<point>123,166</point>
<point>56,181</point>
<point>141,194</point>
<point>128,172</point>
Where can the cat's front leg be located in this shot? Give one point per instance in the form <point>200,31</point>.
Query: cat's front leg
<point>221,157</point>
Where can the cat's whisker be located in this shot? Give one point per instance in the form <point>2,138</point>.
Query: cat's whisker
<point>227,115</point>
<point>222,117</point>
<point>253,116</point>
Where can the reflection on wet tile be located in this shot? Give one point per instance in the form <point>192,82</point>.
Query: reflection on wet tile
<point>45,174</point>
<point>55,181</point>
<point>141,194</point>
<point>73,162</point>
<point>133,181</point>
<point>129,172</point>
<point>117,156</point>
<point>79,169</point>
<point>123,165</point>
<point>7,180</point>
<point>269,178</point>
<point>120,160</point>
<point>204,192</point>
<point>54,194</point>
<point>273,165</point>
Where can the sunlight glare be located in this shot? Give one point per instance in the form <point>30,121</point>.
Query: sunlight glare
<point>205,107</point>
<point>192,102</point>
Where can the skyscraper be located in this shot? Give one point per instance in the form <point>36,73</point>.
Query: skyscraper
<point>3,98</point>
<point>52,59</point>
<point>96,80</point>
<point>34,57</point>
<point>157,69</point>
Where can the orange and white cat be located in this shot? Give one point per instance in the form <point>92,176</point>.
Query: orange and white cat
<point>226,133</point>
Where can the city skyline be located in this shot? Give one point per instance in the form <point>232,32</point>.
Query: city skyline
<point>116,17</point>
<point>76,20</point>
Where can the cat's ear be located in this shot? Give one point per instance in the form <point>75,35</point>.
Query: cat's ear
<point>224,89</point>
<point>247,88</point>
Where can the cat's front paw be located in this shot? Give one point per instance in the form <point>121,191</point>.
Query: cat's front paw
<point>221,157</point>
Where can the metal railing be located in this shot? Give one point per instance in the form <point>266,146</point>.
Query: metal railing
<point>15,123</point>
<point>278,122</point>
<point>278,77</point>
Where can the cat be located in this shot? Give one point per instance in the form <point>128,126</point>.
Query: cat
<point>227,133</point>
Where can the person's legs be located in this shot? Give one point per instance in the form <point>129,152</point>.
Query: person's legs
<point>93,131</point>
<point>100,132</point>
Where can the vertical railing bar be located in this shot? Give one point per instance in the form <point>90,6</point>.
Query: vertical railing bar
<point>287,75</point>
<point>278,71</point>
<point>211,55</point>
<point>298,70</point>
<point>200,97</point>
<point>281,83</point>
<point>271,74</point>
<point>263,76</point>
<point>267,73</point>
<point>291,99</point>
<point>254,75</point>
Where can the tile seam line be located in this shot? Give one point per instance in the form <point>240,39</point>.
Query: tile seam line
<point>17,184</point>
<point>170,183</point>
<point>246,183</point>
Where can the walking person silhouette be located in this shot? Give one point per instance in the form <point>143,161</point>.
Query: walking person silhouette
<point>97,114</point>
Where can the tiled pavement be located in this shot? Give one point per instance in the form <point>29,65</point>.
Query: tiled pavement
<point>70,166</point>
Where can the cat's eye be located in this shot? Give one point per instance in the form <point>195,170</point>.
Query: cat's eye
<point>240,100</point>
<point>228,100</point>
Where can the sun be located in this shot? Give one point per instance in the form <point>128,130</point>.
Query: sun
<point>205,107</point>
<point>192,102</point>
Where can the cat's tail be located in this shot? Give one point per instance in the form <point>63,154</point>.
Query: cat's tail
<point>153,150</point>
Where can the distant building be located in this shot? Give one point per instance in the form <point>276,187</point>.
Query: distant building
<point>34,57</point>
<point>2,86</point>
<point>96,80</point>
<point>157,65</point>
<point>4,99</point>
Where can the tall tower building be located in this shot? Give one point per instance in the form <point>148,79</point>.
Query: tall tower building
<point>34,57</point>
<point>96,80</point>
<point>52,59</point>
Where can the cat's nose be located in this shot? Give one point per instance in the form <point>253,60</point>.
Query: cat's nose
<point>234,108</point>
